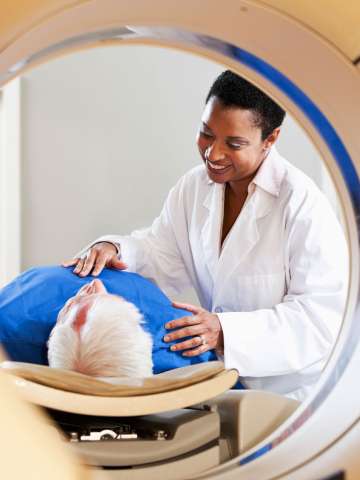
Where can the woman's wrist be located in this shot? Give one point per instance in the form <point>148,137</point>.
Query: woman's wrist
<point>114,244</point>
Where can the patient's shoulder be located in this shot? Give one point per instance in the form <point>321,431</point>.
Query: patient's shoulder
<point>134,286</point>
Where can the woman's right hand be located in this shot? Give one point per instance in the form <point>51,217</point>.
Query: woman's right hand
<point>101,255</point>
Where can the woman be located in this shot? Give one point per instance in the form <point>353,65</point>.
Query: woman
<point>256,239</point>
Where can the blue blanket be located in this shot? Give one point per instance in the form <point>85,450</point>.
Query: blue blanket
<point>30,304</point>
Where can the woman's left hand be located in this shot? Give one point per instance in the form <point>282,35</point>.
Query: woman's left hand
<point>204,328</point>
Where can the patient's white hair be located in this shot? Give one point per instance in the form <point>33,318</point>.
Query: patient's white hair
<point>110,342</point>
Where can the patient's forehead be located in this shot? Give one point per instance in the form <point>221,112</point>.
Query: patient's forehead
<point>80,305</point>
<point>94,297</point>
<point>91,297</point>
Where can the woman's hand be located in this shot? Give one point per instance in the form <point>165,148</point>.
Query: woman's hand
<point>204,328</point>
<point>101,255</point>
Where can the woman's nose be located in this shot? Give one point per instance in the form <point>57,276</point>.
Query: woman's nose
<point>214,152</point>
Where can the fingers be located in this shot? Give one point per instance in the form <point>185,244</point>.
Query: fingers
<point>102,254</point>
<point>70,263</point>
<point>89,263</point>
<point>117,264</point>
<point>79,266</point>
<point>188,331</point>
<point>85,264</point>
<point>191,343</point>
<point>193,346</point>
<point>182,322</point>
<point>100,263</point>
<point>202,332</point>
<point>187,306</point>
<point>196,351</point>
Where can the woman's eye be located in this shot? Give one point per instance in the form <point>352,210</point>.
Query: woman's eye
<point>236,146</point>
<point>205,134</point>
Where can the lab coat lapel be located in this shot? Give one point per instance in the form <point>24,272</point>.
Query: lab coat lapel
<point>211,230</point>
<point>244,234</point>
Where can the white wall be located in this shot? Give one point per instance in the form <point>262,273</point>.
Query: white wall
<point>10,181</point>
<point>106,133</point>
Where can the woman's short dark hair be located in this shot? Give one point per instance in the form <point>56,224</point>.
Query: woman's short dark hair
<point>234,91</point>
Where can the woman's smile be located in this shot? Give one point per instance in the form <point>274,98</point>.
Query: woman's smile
<point>217,168</point>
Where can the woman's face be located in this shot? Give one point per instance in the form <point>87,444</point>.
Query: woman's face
<point>229,142</point>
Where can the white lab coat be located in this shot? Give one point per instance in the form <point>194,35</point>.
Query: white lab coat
<point>279,282</point>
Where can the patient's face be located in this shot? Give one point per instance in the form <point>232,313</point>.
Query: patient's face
<point>79,305</point>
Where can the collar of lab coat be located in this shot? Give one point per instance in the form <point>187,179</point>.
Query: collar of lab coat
<point>263,192</point>
<point>269,175</point>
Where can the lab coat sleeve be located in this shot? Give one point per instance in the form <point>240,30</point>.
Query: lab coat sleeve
<point>299,332</point>
<point>154,252</point>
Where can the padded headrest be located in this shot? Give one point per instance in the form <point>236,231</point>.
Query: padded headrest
<point>113,386</point>
<point>76,393</point>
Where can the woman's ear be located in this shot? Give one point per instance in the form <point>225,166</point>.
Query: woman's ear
<point>271,139</point>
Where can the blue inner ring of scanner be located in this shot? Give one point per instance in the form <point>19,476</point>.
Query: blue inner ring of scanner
<point>308,107</point>
<point>335,145</point>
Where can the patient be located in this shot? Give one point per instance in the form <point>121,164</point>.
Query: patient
<point>101,335</point>
<point>33,303</point>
